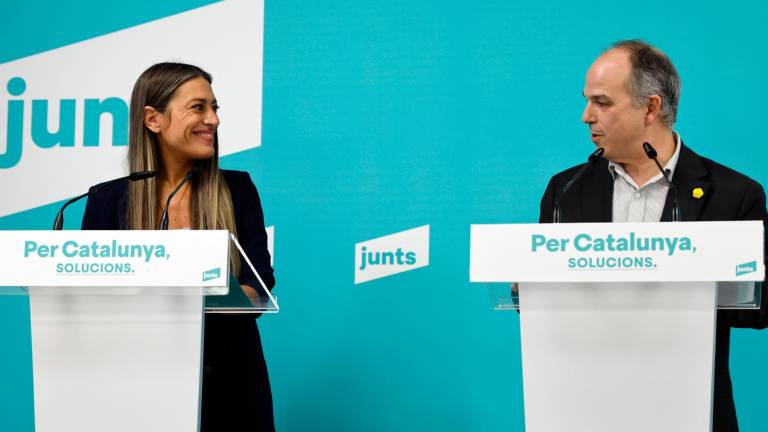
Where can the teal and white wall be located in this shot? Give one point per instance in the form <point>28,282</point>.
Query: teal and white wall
<point>372,118</point>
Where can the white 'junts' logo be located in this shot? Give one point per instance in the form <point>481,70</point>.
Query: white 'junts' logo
<point>392,254</point>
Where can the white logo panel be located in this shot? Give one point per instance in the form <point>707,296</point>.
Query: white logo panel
<point>91,81</point>
<point>392,254</point>
<point>114,258</point>
<point>617,252</point>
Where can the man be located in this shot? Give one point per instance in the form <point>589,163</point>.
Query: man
<point>632,92</point>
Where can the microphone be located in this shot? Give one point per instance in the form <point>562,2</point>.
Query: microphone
<point>58,223</point>
<point>164,218</point>
<point>593,157</point>
<point>651,153</point>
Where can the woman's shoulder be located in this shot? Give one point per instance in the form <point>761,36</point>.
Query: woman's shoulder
<point>108,192</point>
<point>105,208</point>
<point>242,190</point>
<point>240,185</point>
<point>236,178</point>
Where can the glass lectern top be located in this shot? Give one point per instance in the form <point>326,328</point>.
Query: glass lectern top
<point>730,295</point>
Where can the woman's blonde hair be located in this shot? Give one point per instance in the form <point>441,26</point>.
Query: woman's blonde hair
<point>211,202</point>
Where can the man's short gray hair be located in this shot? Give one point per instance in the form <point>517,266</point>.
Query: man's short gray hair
<point>652,74</point>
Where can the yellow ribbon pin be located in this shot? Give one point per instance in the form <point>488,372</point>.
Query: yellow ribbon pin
<point>698,193</point>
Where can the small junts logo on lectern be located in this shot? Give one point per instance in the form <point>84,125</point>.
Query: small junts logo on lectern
<point>746,268</point>
<point>212,274</point>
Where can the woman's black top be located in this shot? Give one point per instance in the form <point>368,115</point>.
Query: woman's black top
<point>236,391</point>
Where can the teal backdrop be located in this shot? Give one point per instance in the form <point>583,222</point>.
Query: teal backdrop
<point>379,116</point>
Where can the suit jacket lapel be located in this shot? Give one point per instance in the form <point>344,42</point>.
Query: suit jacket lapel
<point>689,174</point>
<point>597,194</point>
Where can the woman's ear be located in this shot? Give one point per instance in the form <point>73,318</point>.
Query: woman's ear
<point>152,119</point>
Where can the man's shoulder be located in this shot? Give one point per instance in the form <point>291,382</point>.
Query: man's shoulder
<point>724,176</point>
<point>718,170</point>
<point>567,173</point>
<point>562,177</point>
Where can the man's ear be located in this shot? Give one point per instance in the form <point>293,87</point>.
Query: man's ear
<point>654,109</point>
<point>152,119</point>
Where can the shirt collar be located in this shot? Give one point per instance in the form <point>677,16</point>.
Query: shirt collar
<point>618,169</point>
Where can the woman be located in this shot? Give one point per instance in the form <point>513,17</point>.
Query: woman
<point>173,131</point>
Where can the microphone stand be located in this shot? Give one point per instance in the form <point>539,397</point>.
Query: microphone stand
<point>58,223</point>
<point>651,153</point>
<point>593,157</point>
<point>164,217</point>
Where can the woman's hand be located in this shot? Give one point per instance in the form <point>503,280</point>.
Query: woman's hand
<point>249,291</point>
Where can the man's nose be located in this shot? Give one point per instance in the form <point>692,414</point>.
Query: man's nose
<point>588,116</point>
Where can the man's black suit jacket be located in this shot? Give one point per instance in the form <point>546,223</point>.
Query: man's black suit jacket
<point>728,195</point>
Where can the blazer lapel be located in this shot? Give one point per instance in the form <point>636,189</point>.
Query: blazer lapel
<point>690,174</point>
<point>597,194</point>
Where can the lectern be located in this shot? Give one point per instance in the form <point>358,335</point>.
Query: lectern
<point>617,321</point>
<point>117,322</point>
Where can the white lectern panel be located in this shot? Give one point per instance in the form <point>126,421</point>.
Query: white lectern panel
<point>618,357</point>
<point>117,363</point>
